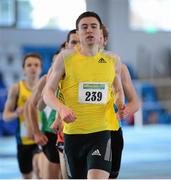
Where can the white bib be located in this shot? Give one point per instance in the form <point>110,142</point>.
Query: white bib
<point>93,92</point>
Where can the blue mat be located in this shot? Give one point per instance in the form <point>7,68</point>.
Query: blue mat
<point>146,155</point>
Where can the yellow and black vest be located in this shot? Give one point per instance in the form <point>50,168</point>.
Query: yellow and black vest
<point>24,94</point>
<point>87,90</point>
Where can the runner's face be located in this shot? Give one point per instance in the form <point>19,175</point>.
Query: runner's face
<point>73,40</point>
<point>89,31</point>
<point>32,67</point>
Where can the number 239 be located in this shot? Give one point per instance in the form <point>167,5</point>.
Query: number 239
<point>93,96</point>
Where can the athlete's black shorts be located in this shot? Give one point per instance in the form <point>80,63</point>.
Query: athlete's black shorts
<point>50,148</point>
<point>87,151</point>
<point>25,155</point>
<point>117,144</point>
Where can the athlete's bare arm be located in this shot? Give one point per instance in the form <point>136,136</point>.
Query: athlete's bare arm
<point>40,103</point>
<point>117,84</point>
<point>123,110</point>
<point>37,99</point>
<point>31,107</point>
<point>10,111</point>
<point>57,74</point>
<point>129,90</point>
<point>39,137</point>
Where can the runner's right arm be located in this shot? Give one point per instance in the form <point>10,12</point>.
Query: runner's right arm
<point>57,74</point>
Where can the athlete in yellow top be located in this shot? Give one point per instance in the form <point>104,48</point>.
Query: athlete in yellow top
<point>89,79</point>
<point>14,107</point>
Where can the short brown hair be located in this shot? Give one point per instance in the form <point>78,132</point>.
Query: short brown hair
<point>34,55</point>
<point>88,14</point>
<point>69,34</point>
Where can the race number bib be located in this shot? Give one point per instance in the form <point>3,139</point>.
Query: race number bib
<point>93,92</point>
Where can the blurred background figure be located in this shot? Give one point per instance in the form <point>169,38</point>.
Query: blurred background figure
<point>18,95</point>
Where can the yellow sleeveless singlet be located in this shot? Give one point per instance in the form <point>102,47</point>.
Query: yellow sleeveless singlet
<point>87,90</point>
<point>24,94</point>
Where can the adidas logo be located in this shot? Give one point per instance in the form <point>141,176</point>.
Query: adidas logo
<point>101,60</point>
<point>96,153</point>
